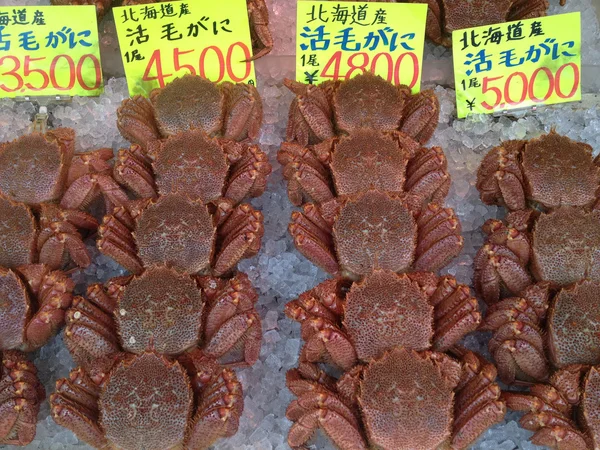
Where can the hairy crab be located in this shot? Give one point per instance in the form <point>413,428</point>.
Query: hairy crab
<point>182,233</point>
<point>564,413</point>
<point>365,159</point>
<point>387,333</point>
<point>228,111</point>
<point>258,16</point>
<point>164,354</point>
<point>36,172</point>
<point>557,247</point>
<point>352,235</point>
<point>322,112</point>
<point>446,16</point>
<point>20,396</point>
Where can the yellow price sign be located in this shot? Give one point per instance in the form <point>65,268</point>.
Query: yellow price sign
<point>49,50</point>
<point>339,40</point>
<point>163,41</point>
<point>517,64</point>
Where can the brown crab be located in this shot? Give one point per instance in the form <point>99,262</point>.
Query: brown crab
<point>193,163</point>
<point>39,170</point>
<point>352,235</point>
<point>545,173</point>
<point>331,109</point>
<point>446,16</point>
<point>202,321</point>
<point>565,412</point>
<point>20,396</point>
<point>33,300</point>
<point>168,312</point>
<point>365,159</point>
<point>541,325</point>
<point>417,310</point>
<point>148,402</point>
<point>232,112</point>
<point>182,233</point>
<point>403,400</point>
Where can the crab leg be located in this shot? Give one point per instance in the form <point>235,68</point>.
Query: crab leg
<point>259,28</point>
<point>116,240</point>
<point>136,121</point>
<point>243,111</point>
<point>236,297</point>
<point>85,189</point>
<point>54,297</point>
<point>237,341</point>
<point>248,177</point>
<point>218,414</point>
<point>77,410</point>
<point>439,238</point>
<point>420,116</point>
<point>426,175</point>
<point>89,162</point>
<point>20,395</point>
<point>240,237</point>
<point>134,171</point>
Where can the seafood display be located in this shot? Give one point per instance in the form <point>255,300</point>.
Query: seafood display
<point>437,285</point>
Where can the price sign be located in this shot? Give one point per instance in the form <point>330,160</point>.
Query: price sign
<point>49,50</point>
<point>339,40</point>
<point>163,41</point>
<point>517,64</point>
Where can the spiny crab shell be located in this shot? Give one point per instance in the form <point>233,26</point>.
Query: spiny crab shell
<point>397,390</point>
<point>168,312</point>
<point>365,159</point>
<point>148,402</point>
<point>182,233</point>
<point>353,235</point>
<point>321,112</point>
<point>226,110</point>
<point>150,350</point>
<point>446,16</point>
<point>565,412</point>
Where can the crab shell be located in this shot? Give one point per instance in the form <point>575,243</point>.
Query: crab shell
<point>549,172</point>
<point>231,111</point>
<point>34,167</point>
<point>367,101</point>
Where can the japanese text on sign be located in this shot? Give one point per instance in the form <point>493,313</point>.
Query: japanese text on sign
<point>49,50</point>
<point>163,41</point>
<point>517,64</point>
<point>341,40</point>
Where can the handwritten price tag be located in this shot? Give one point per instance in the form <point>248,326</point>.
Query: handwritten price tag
<point>339,40</point>
<point>49,50</point>
<point>517,64</point>
<point>163,41</point>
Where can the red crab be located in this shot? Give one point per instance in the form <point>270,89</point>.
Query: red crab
<point>183,233</point>
<point>352,235</point>
<point>231,112</point>
<point>417,310</point>
<point>20,396</point>
<point>404,397</point>
<point>35,171</point>
<point>149,402</point>
<point>330,109</point>
<point>403,400</point>
<point>565,412</point>
<point>446,16</point>
<point>201,321</point>
<point>365,159</point>
<point>547,172</point>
